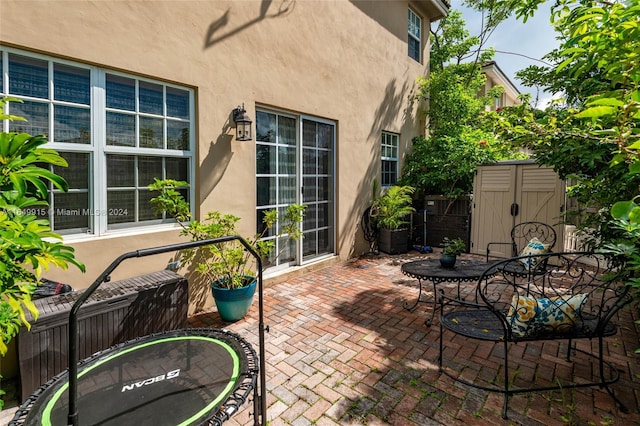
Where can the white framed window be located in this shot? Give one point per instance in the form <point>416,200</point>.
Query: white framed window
<point>117,132</point>
<point>389,155</point>
<point>414,40</point>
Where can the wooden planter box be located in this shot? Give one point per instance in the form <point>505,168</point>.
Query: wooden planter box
<point>393,241</point>
<point>116,312</point>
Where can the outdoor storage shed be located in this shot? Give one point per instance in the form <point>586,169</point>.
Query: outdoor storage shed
<point>512,192</point>
<point>116,312</point>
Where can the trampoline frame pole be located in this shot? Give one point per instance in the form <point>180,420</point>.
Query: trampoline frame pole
<point>260,397</point>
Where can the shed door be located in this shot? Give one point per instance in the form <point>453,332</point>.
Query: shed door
<point>493,194</point>
<point>507,194</point>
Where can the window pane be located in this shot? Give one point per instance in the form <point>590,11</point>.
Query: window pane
<point>28,77</point>
<point>151,132</point>
<point>145,212</point>
<point>286,160</point>
<point>37,115</point>
<point>77,174</point>
<point>150,98</point>
<point>120,206</point>
<point>177,168</point>
<point>177,103</point>
<point>120,171</point>
<point>121,129</point>
<point>121,93</point>
<point>71,84</point>
<point>1,79</point>
<point>71,124</point>
<point>149,168</point>
<point>323,162</point>
<point>71,211</point>
<point>265,159</point>
<point>414,49</point>
<point>265,127</point>
<point>177,135</point>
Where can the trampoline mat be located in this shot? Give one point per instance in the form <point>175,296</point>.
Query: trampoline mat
<point>181,377</point>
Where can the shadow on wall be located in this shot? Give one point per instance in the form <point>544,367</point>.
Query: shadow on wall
<point>213,35</point>
<point>396,98</point>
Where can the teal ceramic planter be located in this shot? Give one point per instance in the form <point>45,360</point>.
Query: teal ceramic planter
<point>233,304</point>
<point>447,261</point>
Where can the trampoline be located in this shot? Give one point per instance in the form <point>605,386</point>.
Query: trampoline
<point>179,377</point>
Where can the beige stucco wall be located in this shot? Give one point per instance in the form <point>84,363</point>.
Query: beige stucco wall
<point>340,60</point>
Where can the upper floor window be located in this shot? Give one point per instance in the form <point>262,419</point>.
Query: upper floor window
<point>389,152</point>
<point>415,36</point>
<point>117,132</point>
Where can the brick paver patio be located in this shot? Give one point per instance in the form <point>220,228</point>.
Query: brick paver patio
<point>342,350</point>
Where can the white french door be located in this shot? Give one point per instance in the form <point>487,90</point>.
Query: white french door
<point>295,164</point>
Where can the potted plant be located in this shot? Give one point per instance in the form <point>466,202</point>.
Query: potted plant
<point>227,267</point>
<point>390,212</point>
<point>451,248</point>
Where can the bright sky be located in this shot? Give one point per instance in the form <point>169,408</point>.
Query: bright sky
<point>533,39</point>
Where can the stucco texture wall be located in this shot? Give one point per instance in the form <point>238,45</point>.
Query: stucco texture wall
<point>338,60</point>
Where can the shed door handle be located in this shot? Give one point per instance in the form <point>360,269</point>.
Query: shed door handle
<point>515,208</point>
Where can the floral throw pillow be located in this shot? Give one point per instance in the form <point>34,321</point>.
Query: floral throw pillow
<point>535,246</point>
<point>529,316</point>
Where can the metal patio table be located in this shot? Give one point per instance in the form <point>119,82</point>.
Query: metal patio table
<point>465,270</point>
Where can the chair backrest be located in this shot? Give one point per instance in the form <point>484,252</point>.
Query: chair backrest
<point>523,232</point>
<point>571,293</point>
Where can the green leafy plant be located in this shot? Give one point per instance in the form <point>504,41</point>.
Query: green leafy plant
<point>27,245</point>
<point>392,208</point>
<point>453,246</point>
<point>227,264</point>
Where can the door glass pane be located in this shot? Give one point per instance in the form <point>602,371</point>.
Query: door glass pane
<point>308,133</point>
<point>151,132</point>
<point>121,129</point>
<point>287,131</point>
<point>287,190</point>
<point>71,124</point>
<point>265,127</point>
<point>286,160</point>
<point>28,77</point>
<point>71,84</point>
<point>265,159</point>
<point>309,165</point>
<point>309,189</point>
<point>266,191</point>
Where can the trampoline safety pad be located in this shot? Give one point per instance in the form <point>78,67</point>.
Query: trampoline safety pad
<point>181,377</point>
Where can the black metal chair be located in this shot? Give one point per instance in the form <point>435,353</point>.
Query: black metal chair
<point>570,296</point>
<point>523,233</point>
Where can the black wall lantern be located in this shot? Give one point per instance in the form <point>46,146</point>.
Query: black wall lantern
<point>243,124</point>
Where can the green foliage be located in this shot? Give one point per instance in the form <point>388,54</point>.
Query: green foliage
<point>445,162</point>
<point>27,245</point>
<point>594,136</point>
<point>226,263</point>
<point>453,247</point>
<point>391,210</point>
